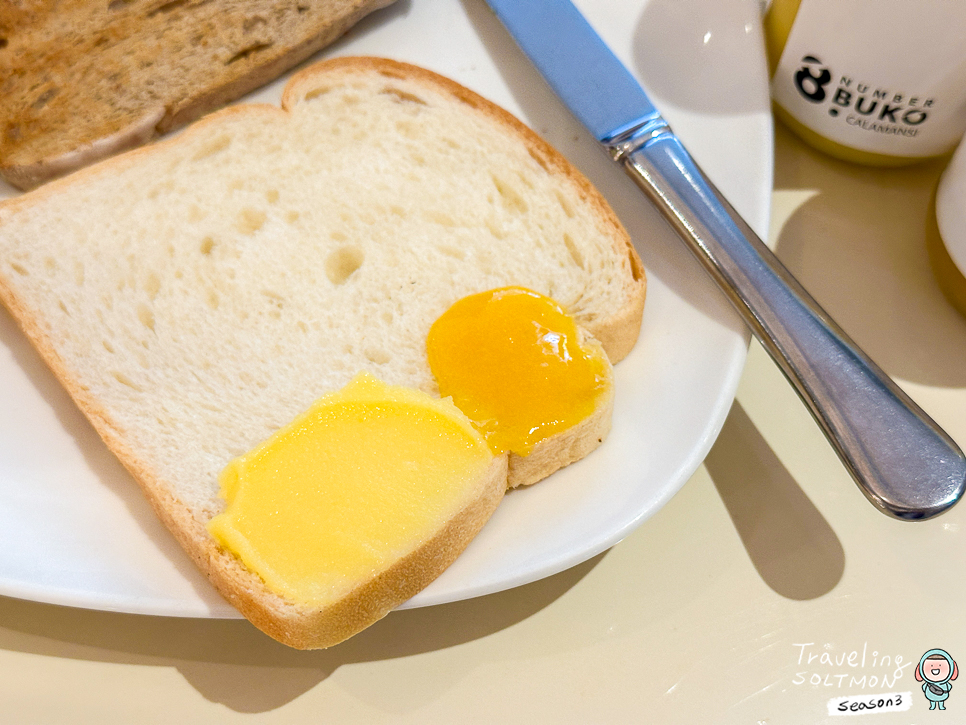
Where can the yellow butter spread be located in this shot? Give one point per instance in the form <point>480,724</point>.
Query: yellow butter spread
<point>349,487</point>
<point>511,361</point>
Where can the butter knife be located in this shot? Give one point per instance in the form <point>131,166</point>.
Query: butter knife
<point>901,459</point>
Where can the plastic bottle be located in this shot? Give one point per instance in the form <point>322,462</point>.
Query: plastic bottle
<point>879,82</point>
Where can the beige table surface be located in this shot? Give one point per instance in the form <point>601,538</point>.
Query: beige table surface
<point>740,602</point>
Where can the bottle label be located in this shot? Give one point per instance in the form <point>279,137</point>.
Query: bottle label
<point>886,76</point>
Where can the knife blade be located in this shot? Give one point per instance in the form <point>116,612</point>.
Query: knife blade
<point>904,463</point>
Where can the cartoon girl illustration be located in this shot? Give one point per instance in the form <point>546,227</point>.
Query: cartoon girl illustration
<point>935,671</point>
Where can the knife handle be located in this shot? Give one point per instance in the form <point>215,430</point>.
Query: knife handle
<point>901,459</point>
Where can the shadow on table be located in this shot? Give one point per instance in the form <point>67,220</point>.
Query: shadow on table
<point>232,663</point>
<point>790,543</point>
<point>859,246</point>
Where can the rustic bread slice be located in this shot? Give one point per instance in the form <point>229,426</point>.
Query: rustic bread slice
<point>196,295</point>
<point>83,79</point>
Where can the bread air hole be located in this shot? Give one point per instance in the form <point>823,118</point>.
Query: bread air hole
<point>274,299</point>
<point>250,220</point>
<point>44,97</point>
<point>245,52</point>
<point>401,96</point>
<point>496,229</point>
<point>565,204</point>
<point>125,380</point>
<point>541,161</point>
<point>377,356</point>
<point>408,129</point>
<point>574,251</point>
<point>166,7</point>
<point>388,73</point>
<point>212,147</point>
<point>146,316</point>
<point>636,269</point>
<point>342,263</point>
<point>207,244</point>
<point>152,285</point>
<point>438,217</point>
<point>511,198</point>
<point>253,22</point>
<point>316,92</point>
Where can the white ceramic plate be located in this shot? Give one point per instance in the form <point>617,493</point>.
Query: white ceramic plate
<point>74,528</point>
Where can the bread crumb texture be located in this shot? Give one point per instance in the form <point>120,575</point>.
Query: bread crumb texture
<point>204,291</point>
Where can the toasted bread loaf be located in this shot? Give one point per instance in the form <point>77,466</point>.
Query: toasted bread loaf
<point>196,295</point>
<point>83,79</point>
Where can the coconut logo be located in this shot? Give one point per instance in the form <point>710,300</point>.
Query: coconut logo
<point>811,79</point>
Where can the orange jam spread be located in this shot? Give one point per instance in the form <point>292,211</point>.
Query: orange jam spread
<point>352,485</point>
<point>511,361</point>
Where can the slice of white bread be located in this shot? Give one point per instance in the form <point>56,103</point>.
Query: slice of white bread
<point>83,79</point>
<point>196,295</point>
